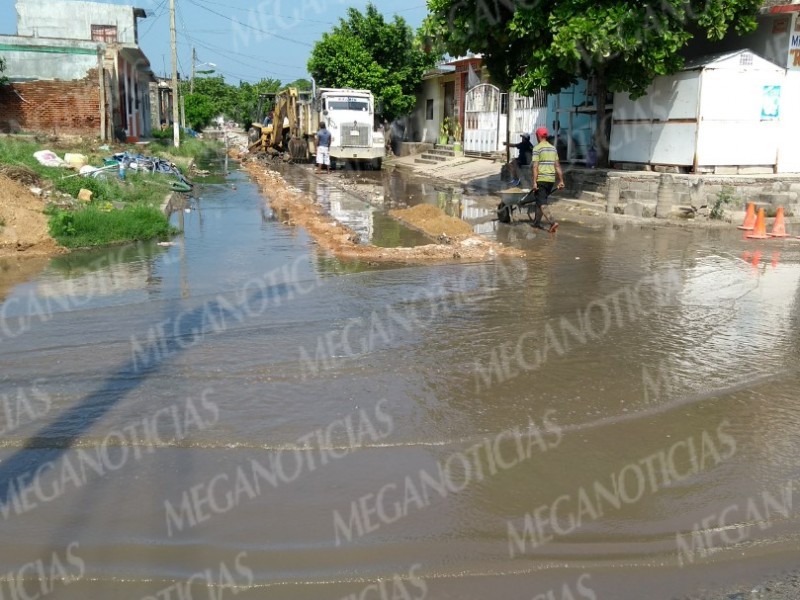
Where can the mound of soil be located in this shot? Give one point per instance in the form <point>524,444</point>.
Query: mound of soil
<point>23,225</point>
<point>295,209</point>
<point>433,221</point>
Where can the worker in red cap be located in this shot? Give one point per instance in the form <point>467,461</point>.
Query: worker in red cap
<point>546,175</point>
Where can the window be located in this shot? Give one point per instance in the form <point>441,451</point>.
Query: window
<point>357,104</point>
<point>429,109</point>
<point>104,33</point>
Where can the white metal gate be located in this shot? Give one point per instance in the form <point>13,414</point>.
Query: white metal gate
<point>482,119</point>
<point>528,113</point>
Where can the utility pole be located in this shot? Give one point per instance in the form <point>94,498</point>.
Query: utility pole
<point>176,135</point>
<point>194,60</point>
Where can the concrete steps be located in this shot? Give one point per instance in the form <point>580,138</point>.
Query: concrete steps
<point>438,155</point>
<point>594,197</point>
<point>775,198</point>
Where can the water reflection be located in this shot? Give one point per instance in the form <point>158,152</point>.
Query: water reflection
<point>102,273</point>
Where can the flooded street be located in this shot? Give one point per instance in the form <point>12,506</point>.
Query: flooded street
<point>241,416</point>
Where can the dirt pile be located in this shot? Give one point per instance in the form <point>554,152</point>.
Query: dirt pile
<point>295,209</point>
<point>433,221</point>
<point>23,225</point>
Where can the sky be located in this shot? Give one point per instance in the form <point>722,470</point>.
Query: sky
<point>246,40</point>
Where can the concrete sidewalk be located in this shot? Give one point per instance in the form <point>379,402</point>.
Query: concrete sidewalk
<point>478,173</point>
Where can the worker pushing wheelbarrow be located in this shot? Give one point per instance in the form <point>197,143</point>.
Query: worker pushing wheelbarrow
<point>546,171</point>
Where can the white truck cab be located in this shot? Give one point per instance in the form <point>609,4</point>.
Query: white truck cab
<point>350,117</point>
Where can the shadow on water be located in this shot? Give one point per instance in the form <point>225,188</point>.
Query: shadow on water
<point>18,473</point>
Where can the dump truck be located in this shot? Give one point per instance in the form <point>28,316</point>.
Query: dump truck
<point>347,113</point>
<point>350,117</point>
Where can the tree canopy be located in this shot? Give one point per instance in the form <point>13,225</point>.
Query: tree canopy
<point>621,44</point>
<point>213,97</point>
<point>365,51</point>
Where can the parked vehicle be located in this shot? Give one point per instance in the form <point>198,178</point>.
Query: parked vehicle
<point>350,117</point>
<point>347,113</point>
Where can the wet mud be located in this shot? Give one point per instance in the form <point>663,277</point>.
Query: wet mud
<point>295,209</point>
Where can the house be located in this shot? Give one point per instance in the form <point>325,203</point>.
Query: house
<point>442,96</point>
<point>76,68</point>
<point>459,91</point>
<point>160,102</point>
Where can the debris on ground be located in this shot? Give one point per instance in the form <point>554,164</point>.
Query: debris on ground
<point>148,164</point>
<point>293,208</point>
<point>21,174</point>
<point>48,158</point>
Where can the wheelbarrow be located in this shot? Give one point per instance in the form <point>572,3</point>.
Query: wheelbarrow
<point>511,201</point>
<point>518,200</point>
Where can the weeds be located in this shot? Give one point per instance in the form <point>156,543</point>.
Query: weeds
<point>724,197</point>
<point>189,148</point>
<point>97,226</point>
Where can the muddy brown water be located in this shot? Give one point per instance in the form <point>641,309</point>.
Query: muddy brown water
<point>238,416</point>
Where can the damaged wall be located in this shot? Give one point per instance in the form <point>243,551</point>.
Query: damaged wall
<point>71,107</point>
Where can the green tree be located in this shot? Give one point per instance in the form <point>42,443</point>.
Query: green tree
<point>301,84</point>
<point>200,110</point>
<point>211,97</point>
<point>3,78</point>
<point>621,45</point>
<point>247,102</point>
<point>365,51</point>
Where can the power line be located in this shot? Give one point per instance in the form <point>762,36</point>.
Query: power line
<point>276,16</point>
<point>258,64</point>
<point>193,42</point>
<point>248,26</point>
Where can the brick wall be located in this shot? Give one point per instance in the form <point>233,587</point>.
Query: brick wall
<point>68,107</point>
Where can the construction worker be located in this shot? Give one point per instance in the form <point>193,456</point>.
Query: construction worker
<point>523,158</point>
<point>324,139</point>
<point>546,171</point>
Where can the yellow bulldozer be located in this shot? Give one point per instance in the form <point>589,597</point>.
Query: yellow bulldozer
<point>284,131</point>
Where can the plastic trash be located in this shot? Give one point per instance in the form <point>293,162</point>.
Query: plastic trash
<point>48,158</point>
<point>76,161</point>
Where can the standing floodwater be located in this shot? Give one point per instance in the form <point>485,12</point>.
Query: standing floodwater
<point>241,416</point>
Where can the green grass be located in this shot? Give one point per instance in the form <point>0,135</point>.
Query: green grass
<point>189,148</point>
<point>92,226</point>
<point>97,224</point>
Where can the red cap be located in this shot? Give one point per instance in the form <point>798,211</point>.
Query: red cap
<point>542,132</point>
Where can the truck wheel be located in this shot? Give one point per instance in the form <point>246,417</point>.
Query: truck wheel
<point>377,163</point>
<point>333,164</point>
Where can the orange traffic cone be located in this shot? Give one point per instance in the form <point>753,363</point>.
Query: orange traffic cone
<point>760,231</point>
<point>779,227</point>
<point>749,218</point>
